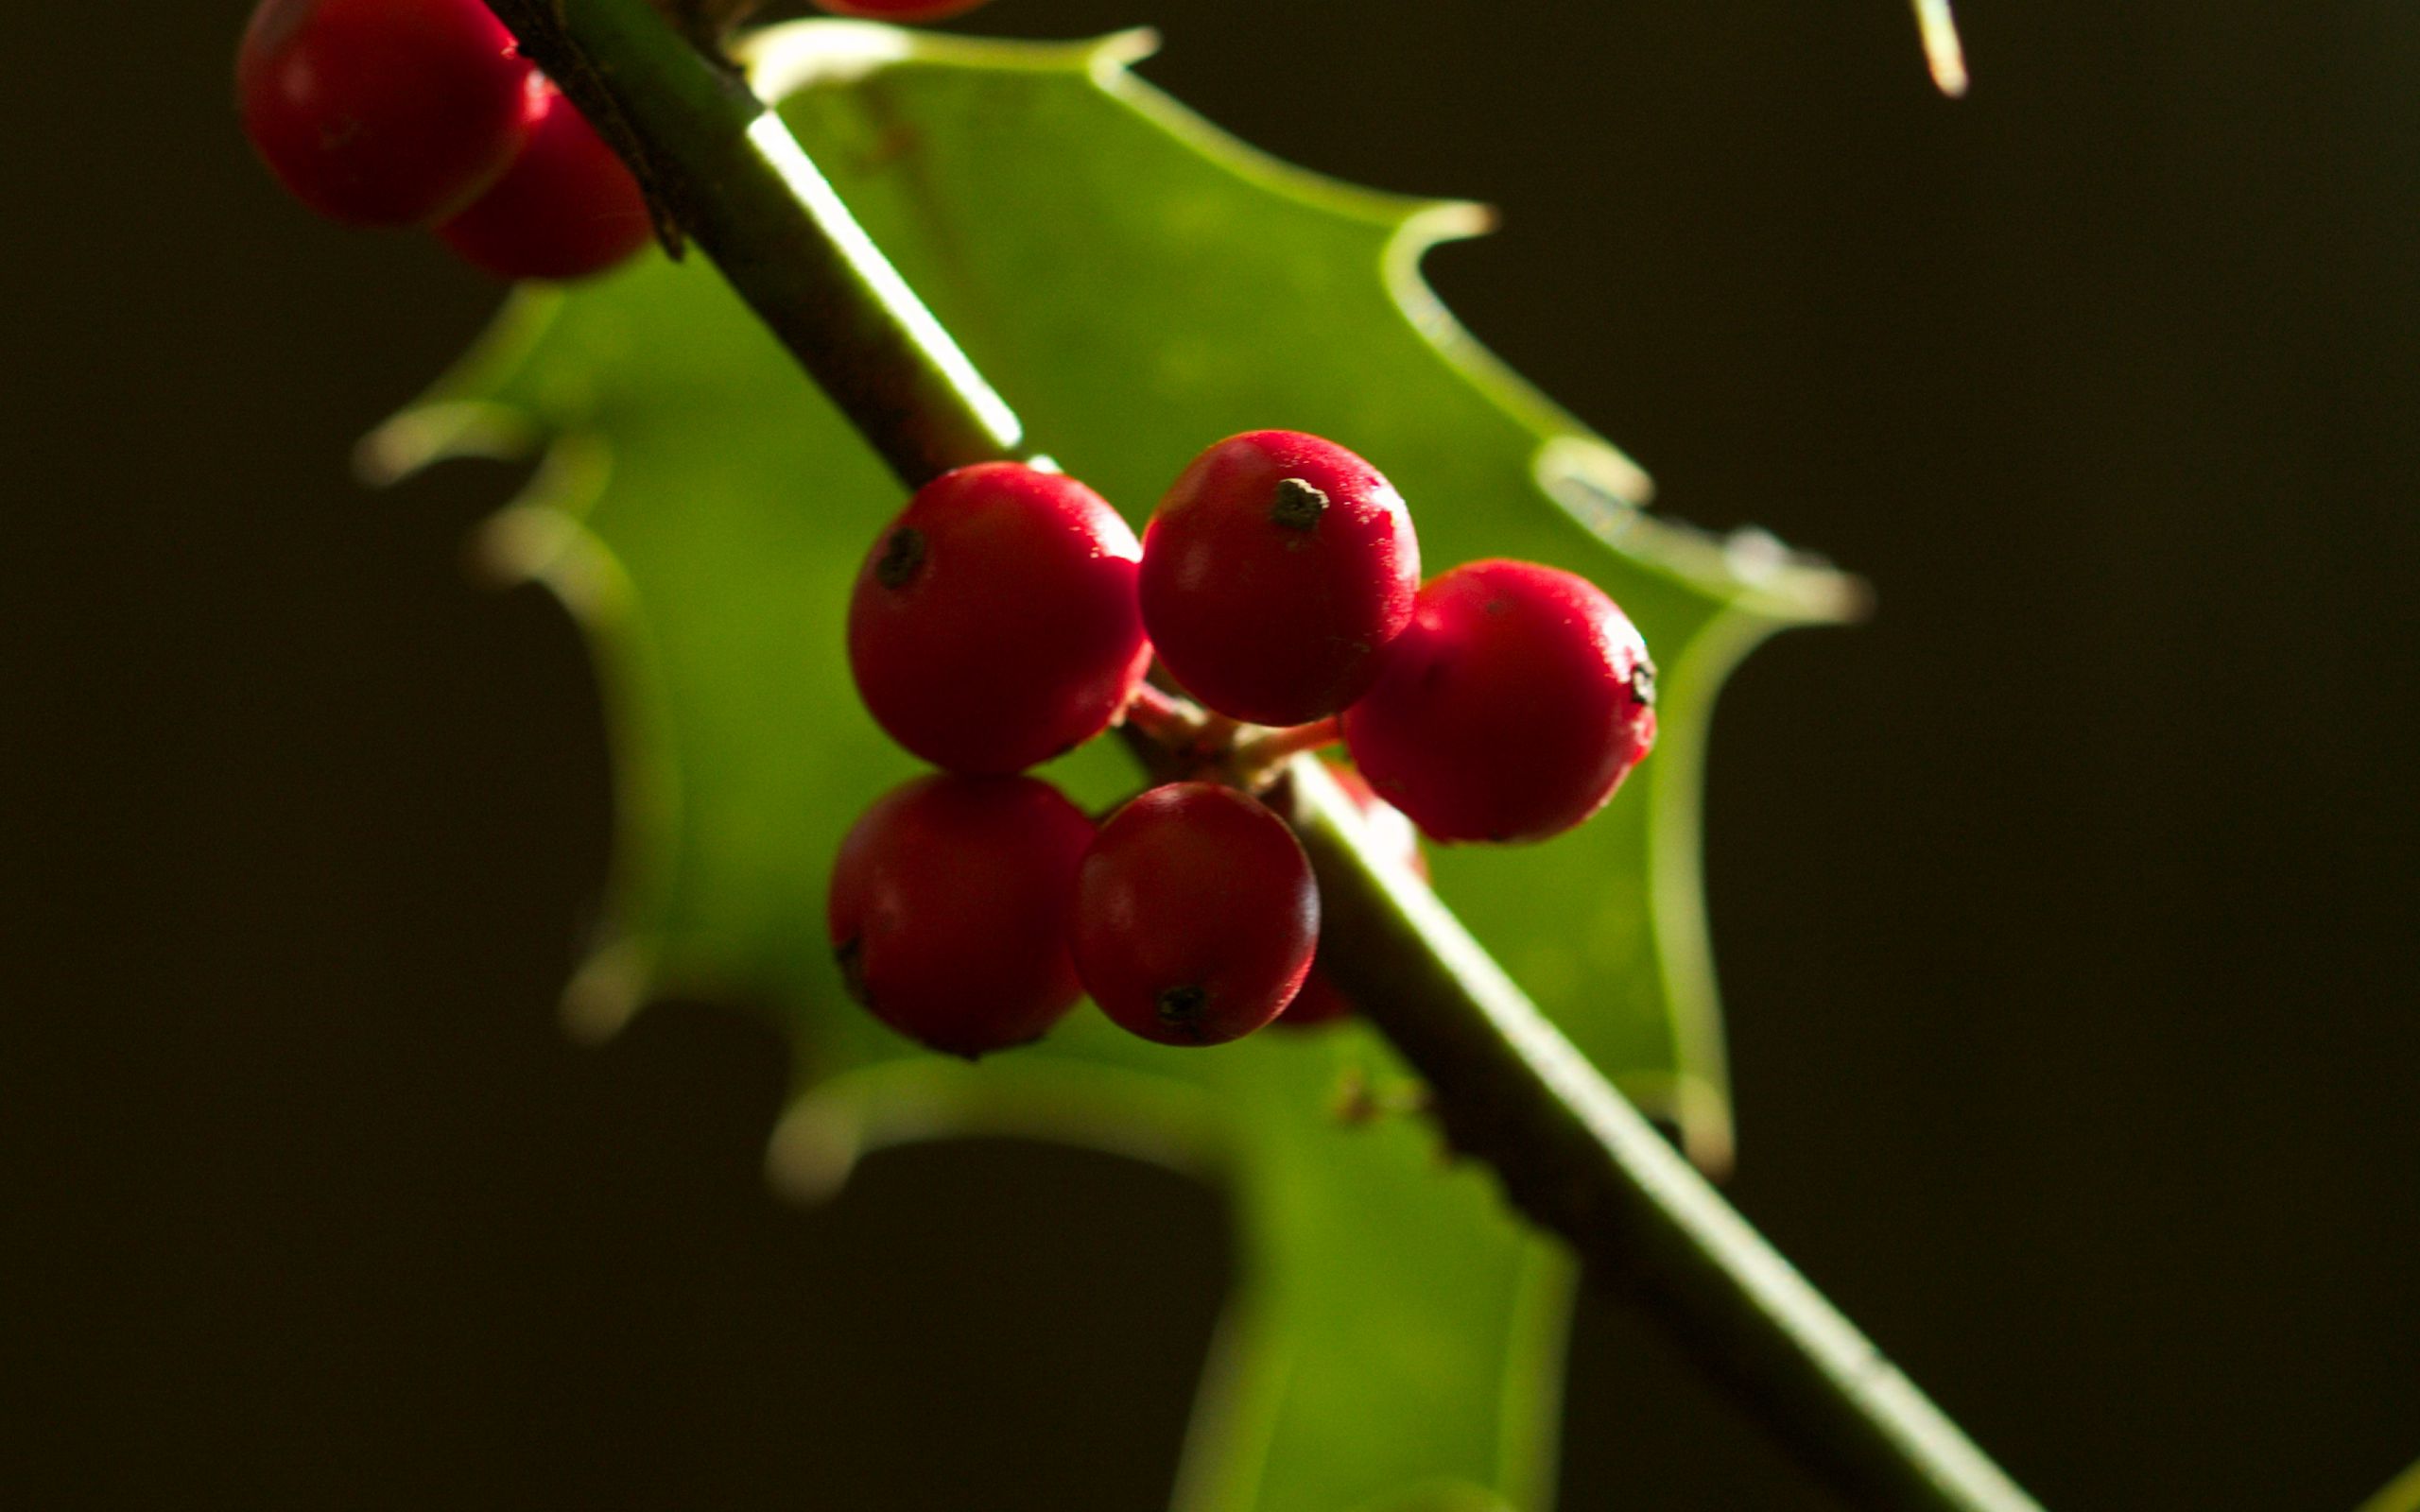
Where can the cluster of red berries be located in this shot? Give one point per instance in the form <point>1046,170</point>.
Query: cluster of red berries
<point>1009,614</point>
<point>423,114</point>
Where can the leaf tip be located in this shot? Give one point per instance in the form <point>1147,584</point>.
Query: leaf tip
<point>828,51</point>
<point>1121,50</point>
<point>1438,221</point>
<point>799,55</point>
<point>440,431</point>
<point>517,544</point>
<point>607,991</point>
<point>814,1150</point>
<point>1702,1116</point>
<point>1594,482</point>
<point>1762,562</point>
<point>539,537</point>
<point>1607,493</point>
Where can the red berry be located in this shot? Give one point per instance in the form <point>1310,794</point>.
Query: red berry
<point>1277,568</point>
<point>993,626</point>
<point>1322,1001</point>
<point>565,209</point>
<point>899,10</point>
<point>382,112</point>
<point>948,910</point>
<point>1196,914</point>
<point>1511,709</point>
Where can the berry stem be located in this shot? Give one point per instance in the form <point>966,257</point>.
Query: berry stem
<point>1264,749</point>
<point>1572,1153</point>
<point>1168,720</point>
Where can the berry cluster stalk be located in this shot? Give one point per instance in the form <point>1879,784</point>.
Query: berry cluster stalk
<point>720,167</point>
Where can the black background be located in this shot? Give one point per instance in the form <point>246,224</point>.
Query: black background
<point>2067,911</point>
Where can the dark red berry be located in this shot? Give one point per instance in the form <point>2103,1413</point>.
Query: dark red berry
<point>1277,568</point>
<point>949,906</point>
<point>1322,1001</point>
<point>899,10</point>
<point>994,625</point>
<point>382,112</point>
<point>1196,914</point>
<point>565,209</point>
<point>1511,709</point>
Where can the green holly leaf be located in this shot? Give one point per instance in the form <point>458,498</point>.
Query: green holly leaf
<point>1138,285</point>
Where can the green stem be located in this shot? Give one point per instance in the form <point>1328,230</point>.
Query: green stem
<point>1582,1162</point>
<point>726,172</point>
<point>1509,1089</point>
<point>1263,750</point>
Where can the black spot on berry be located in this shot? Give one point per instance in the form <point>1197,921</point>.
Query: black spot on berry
<point>902,559</point>
<point>1642,682</point>
<point>1180,1008</point>
<point>1296,505</point>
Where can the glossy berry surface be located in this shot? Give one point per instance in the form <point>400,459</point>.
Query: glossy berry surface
<point>898,9</point>
<point>1511,709</point>
<point>567,208</point>
<point>382,112</point>
<point>1277,568</point>
<point>1196,914</point>
<point>1321,1000</point>
<point>993,626</point>
<point>948,910</point>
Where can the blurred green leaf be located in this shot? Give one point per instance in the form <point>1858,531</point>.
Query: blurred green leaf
<point>1138,284</point>
<point>2402,1494</point>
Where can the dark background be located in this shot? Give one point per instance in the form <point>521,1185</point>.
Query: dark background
<point>2067,911</point>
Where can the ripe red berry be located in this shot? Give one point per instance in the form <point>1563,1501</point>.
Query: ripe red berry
<point>1277,568</point>
<point>948,910</point>
<point>565,209</point>
<point>1511,709</point>
<point>1196,914</point>
<point>382,112</point>
<point>1322,1001</point>
<point>899,10</point>
<point>994,625</point>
